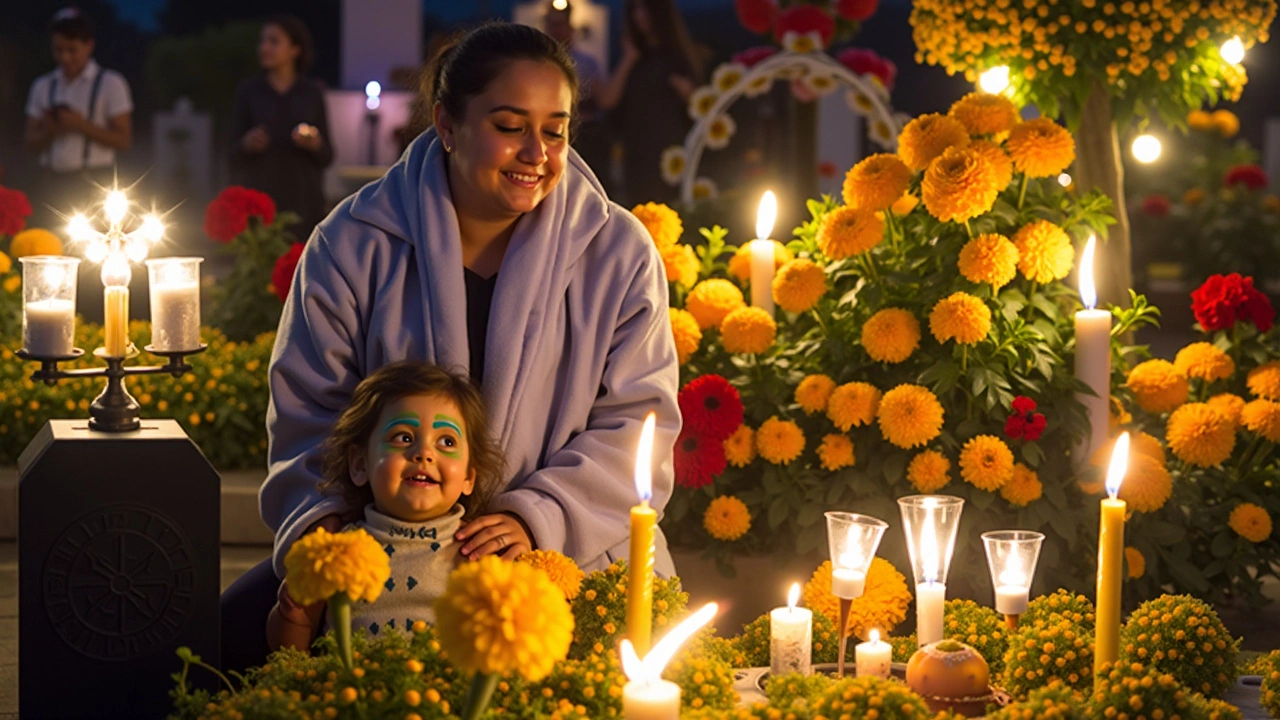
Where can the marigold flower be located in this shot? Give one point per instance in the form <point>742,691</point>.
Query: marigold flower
<point>986,462</point>
<point>891,335</point>
<point>1135,562</point>
<point>1147,484</point>
<point>740,263</point>
<point>927,136</point>
<point>34,241</point>
<point>997,159</point>
<point>1044,252</point>
<point>799,285</point>
<point>740,447</point>
<point>1193,197</point>
<point>681,264</point>
<point>1040,148</point>
<point>989,258</point>
<point>727,518</point>
<point>813,393</point>
<point>906,204</point>
<point>910,416</point>
<point>1225,122</point>
<point>1204,361</point>
<point>1200,120</point>
<point>958,185</point>
<point>561,569</point>
<point>1264,380</point>
<point>1158,385</point>
<point>960,317</point>
<point>748,330</point>
<point>1200,435</point>
<point>779,441</point>
<point>876,182</point>
<point>1024,486</point>
<point>713,299</point>
<point>835,452</point>
<point>321,564</point>
<point>985,114</point>
<point>882,606</point>
<point>929,471</point>
<point>845,232</point>
<point>853,405</point>
<point>663,223</point>
<point>1230,405</point>
<point>1251,522</point>
<point>1263,418</point>
<point>688,336</point>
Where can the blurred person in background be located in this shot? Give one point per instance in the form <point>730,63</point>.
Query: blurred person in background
<point>591,138</point>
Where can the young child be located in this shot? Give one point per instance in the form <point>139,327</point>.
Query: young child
<point>412,456</point>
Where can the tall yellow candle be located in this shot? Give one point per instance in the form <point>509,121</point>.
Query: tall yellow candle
<point>644,522</point>
<point>115,281</point>
<point>1111,559</point>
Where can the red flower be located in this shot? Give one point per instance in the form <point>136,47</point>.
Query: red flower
<point>1025,423</point>
<point>1251,176</point>
<point>856,10</point>
<point>1035,427</point>
<point>14,209</point>
<point>861,61</point>
<point>228,214</point>
<point>804,19</point>
<point>286,266</point>
<point>711,407</point>
<point>1224,300</point>
<point>827,169</point>
<point>752,56</point>
<point>698,459</point>
<point>1023,405</point>
<point>756,15</point>
<point>1156,205</point>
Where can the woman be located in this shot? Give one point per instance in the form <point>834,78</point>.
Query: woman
<point>649,93</point>
<point>280,130</point>
<point>490,247</point>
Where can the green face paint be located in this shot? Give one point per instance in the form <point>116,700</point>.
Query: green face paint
<point>446,422</point>
<point>410,419</point>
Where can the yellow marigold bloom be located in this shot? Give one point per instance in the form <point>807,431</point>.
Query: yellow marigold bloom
<point>1158,386</point>
<point>1200,435</point>
<point>11,284</point>
<point>960,317</point>
<point>959,185</point>
<point>663,223</point>
<point>711,300</point>
<point>1226,123</point>
<point>986,462</point>
<point>904,204</point>
<point>910,416</point>
<point>799,285</point>
<point>321,564</point>
<point>813,393</point>
<point>35,241</point>
<point>1147,484</point>
<point>882,606</point>
<point>891,335</point>
<point>1193,197</point>
<point>727,518</point>
<point>1044,252</point>
<point>1264,380</point>
<point>989,258</point>
<point>779,441</point>
<point>1204,361</point>
<point>1135,561</point>
<point>985,114</point>
<point>1200,120</point>
<point>845,232</point>
<point>6,264</point>
<point>853,405</point>
<point>1041,148</point>
<point>748,330</point>
<point>740,447</point>
<point>835,452</point>
<point>1251,522</point>
<point>740,263</point>
<point>1141,444</point>
<point>684,326</point>
<point>497,616</point>
<point>927,136</point>
<point>997,159</point>
<point>1024,486</point>
<point>929,471</point>
<point>681,264</point>
<point>562,570</point>
<point>876,182</point>
<point>1263,418</point>
<point>1230,405</point>
<point>1118,415</point>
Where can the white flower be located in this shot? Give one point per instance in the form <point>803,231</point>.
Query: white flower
<point>882,134</point>
<point>701,101</point>
<point>860,102</point>
<point>673,164</point>
<point>877,85</point>
<point>758,85</point>
<point>720,131</point>
<point>727,76</point>
<point>820,85</point>
<point>794,71</point>
<point>704,189</point>
<point>806,43</point>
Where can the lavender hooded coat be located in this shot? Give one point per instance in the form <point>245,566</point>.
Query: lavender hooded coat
<point>579,349</point>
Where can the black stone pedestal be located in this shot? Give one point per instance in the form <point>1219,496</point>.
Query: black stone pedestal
<point>118,566</point>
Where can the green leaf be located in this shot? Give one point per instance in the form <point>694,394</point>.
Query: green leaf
<point>895,466</point>
<point>1223,545</point>
<point>1165,533</point>
<point>1032,454</point>
<point>777,512</point>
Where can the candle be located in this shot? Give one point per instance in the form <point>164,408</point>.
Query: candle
<point>116,307</point>
<point>852,540</point>
<point>644,520</point>
<point>1111,559</point>
<point>872,658</point>
<point>930,523</point>
<point>1093,358</point>
<point>791,637</point>
<point>762,266</point>
<point>1012,557</point>
<point>175,316</point>
<point>646,695</point>
<point>846,583</point>
<point>930,594</point>
<point>49,327</point>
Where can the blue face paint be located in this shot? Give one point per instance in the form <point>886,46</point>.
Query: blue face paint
<point>410,419</point>
<point>446,422</point>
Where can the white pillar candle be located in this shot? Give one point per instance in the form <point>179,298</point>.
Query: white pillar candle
<point>651,700</point>
<point>49,327</point>
<point>1093,359</point>
<point>1011,599</point>
<point>872,658</point>
<point>175,316</point>
<point>762,270</point>
<point>791,637</point>
<point>847,583</point>
<point>930,597</point>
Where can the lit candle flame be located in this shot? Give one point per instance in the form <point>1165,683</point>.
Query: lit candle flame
<point>115,271</point>
<point>875,636</point>
<point>152,229</point>
<point>766,215</point>
<point>1014,575</point>
<point>116,206</point>
<point>793,596</point>
<point>929,561</point>
<point>644,459</point>
<point>1119,465</point>
<point>1088,290</point>
<point>1233,50</point>
<point>650,669</point>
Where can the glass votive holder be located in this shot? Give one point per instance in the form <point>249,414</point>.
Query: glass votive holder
<point>175,303</point>
<point>930,523</point>
<point>49,305</point>
<point>1012,556</point>
<point>853,540</point>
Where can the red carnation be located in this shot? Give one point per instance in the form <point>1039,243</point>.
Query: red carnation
<point>1156,205</point>
<point>804,19</point>
<point>14,210</point>
<point>856,10</point>
<point>1225,299</point>
<point>1258,310</point>
<point>282,273</point>
<point>1025,423</point>
<point>756,15</point>
<point>1023,405</point>
<point>861,61</point>
<point>228,215</point>
<point>755,55</point>
<point>711,407</point>
<point>1251,176</point>
<point>698,459</point>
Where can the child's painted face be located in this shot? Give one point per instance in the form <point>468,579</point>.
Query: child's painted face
<point>416,461</point>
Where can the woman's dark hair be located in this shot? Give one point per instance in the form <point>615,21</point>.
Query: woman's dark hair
<point>464,67</point>
<point>300,35</point>
<point>71,23</point>
<point>389,383</point>
<point>669,32</point>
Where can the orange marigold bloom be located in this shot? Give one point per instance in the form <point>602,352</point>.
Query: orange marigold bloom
<point>1023,488</point>
<point>813,393</point>
<point>1044,252</point>
<point>847,231</point>
<point>1158,386</point>
<point>910,416</point>
<point>1200,435</point>
<point>929,471</point>
<point>891,335</point>
<point>1263,418</point>
<point>876,182</point>
<point>997,159</point>
<point>779,441</point>
<point>748,331</point>
<point>681,264</point>
<point>985,114</point>
<point>740,447</point>
<point>853,405</point>
<point>836,452</point>
<point>986,462</point>
<point>959,185</point>
<point>1147,484</point>
<point>960,317</point>
<point>1251,522</point>
<point>799,285</point>
<point>908,202</point>
<point>663,223</point>
<point>1041,148</point>
<point>711,300</point>
<point>688,336</point>
<point>927,136</point>
<point>1264,380</point>
<point>1135,561</point>
<point>1230,405</point>
<point>989,258</point>
<point>1204,361</point>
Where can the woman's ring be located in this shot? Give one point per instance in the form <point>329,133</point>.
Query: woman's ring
<point>502,541</point>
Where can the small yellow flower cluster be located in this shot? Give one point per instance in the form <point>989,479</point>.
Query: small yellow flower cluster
<point>1183,636</point>
<point>1041,652</point>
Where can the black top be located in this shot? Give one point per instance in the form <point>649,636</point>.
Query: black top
<point>652,117</point>
<point>292,176</point>
<point>479,299</point>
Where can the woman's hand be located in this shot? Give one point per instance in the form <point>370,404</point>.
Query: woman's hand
<point>306,137</point>
<point>501,534</point>
<point>256,140</point>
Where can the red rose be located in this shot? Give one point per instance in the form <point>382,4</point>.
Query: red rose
<point>1257,309</point>
<point>1251,176</point>
<point>1156,205</point>
<point>1015,426</point>
<point>856,10</point>
<point>14,210</point>
<point>228,215</point>
<point>282,273</point>
<point>1225,299</point>
<point>711,407</point>
<point>1034,428</point>
<point>1025,423</point>
<point>861,61</point>
<point>1023,405</point>
<point>698,459</point>
<point>804,19</point>
<point>756,15</point>
<point>755,55</point>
